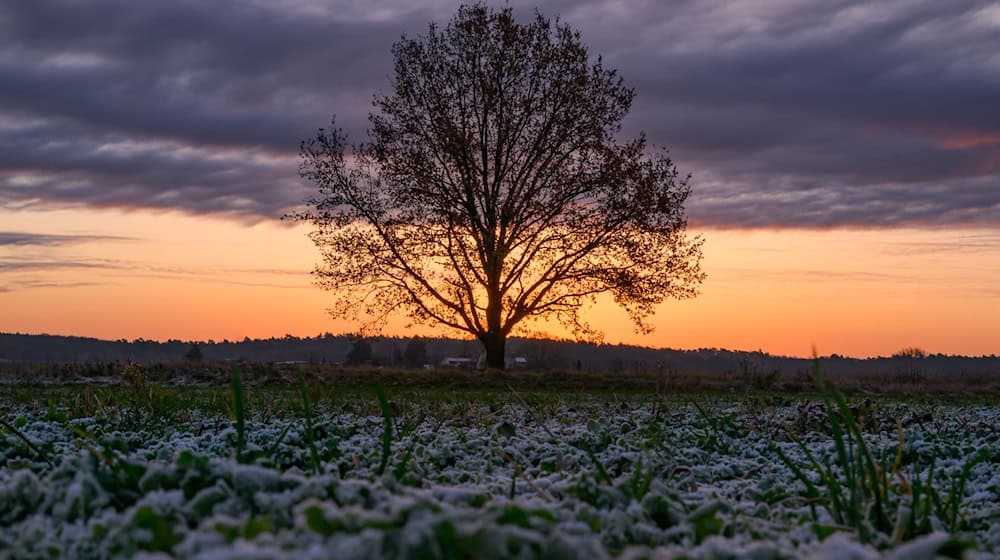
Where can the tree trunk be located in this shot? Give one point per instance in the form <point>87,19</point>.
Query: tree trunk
<point>495,344</point>
<point>494,339</point>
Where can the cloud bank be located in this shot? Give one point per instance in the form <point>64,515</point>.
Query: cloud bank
<point>824,113</point>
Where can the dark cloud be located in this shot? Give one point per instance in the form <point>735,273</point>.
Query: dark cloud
<point>978,243</point>
<point>23,272</point>
<point>34,265</point>
<point>32,284</point>
<point>811,114</point>
<point>20,239</point>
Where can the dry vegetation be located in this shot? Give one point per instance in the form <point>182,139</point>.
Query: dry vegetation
<point>662,380</point>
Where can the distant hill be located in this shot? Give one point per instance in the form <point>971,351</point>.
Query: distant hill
<point>537,354</point>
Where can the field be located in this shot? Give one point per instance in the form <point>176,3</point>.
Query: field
<point>266,468</point>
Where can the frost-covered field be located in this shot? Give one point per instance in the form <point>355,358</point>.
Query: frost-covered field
<point>500,475</point>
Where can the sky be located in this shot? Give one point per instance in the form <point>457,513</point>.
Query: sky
<point>845,162</point>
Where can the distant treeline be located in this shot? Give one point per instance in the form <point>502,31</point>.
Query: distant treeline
<point>533,354</point>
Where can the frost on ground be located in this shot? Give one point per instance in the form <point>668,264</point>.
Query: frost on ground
<point>591,477</point>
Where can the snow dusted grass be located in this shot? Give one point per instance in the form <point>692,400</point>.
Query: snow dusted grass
<point>336,473</point>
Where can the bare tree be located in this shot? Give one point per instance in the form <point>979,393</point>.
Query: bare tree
<point>492,191</point>
<point>911,353</point>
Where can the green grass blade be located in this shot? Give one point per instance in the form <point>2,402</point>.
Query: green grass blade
<point>400,470</point>
<point>307,412</point>
<point>239,412</point>
<point>958,488</point>
<point>601,471</point>
<point>273,450</point>
<point>920,508</point>
<point>383,403</point>
<point>812,493</point>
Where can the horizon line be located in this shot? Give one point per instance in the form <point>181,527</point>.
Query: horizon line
<point>211,341</point>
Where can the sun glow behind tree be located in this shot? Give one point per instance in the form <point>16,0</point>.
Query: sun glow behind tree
<point>493,190</point>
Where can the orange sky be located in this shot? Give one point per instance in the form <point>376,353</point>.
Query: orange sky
<point>853,292</point>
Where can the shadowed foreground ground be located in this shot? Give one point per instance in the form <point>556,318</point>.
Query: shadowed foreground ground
<point>660,381</point>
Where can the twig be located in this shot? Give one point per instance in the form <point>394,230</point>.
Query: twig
<point>27,442</point>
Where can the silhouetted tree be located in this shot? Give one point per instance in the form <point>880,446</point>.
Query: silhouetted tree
<point>360,353</point>
<point>493,191</point>
<point>912,353</point>
<point>193,354</point>
<point>415,353</point>
<point>910,367</point>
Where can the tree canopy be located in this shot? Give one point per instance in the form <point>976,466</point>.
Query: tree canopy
<point>493,190</point>
<point>193,353</point>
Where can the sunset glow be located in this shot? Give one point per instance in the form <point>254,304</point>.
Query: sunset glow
<point>853,292</point>
<point>846,201</point>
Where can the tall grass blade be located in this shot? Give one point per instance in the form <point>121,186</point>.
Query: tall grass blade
<point>239,413</point>
<point>383,403</point>
<point>400,470</point>
<point>307,412</point>
<point>958,488</point>
<point>812,493</point>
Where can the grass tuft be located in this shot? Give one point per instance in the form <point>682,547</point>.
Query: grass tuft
<point>869,496</point>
